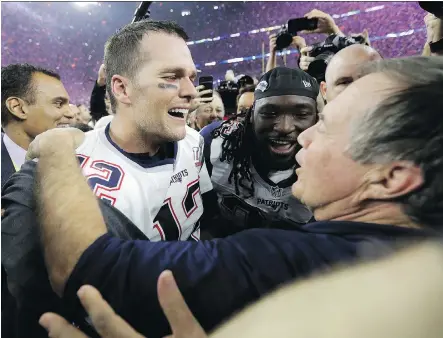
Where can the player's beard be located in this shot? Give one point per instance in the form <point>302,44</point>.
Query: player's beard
<point>160,131</point>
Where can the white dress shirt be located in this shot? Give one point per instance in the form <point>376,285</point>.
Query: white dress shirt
<point>17,153</point>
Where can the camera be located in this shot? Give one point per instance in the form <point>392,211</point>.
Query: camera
<point>284,37</point>
<point>324,51</point>
<point>433,7</point>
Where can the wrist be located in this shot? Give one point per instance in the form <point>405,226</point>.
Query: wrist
<point>336,30</point>
<point>56,147</point>
<point>101,83</point>
<point>437,36</point>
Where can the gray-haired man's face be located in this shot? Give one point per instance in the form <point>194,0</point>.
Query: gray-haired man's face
<point>329,180</point>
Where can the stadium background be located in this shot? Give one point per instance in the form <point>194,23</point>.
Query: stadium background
<point>69,37</point>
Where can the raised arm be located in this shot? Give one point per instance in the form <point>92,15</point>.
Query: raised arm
<point>56,200</point>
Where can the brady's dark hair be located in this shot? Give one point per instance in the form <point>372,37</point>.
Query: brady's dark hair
<point>122,49</point>
<point>408,126</point>
<point>17,81</point>
<point>236,148</point>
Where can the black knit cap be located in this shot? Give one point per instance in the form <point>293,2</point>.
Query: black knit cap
<point>286,81</point>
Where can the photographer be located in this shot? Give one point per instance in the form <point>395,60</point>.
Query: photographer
<point>326,23</point>
<point>341,70</point>
<point>297,42</point>
<point>434,35</point>
<point>209,110</point>
<point>434,27</point>
<point>196,102</point>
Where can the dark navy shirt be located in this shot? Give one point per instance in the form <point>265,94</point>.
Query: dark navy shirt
<point>221,276</point>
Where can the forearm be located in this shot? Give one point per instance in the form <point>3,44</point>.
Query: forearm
<point>336,30</point>
<point>426,50</point>
<point>272,62</point>
<point>69,214</point>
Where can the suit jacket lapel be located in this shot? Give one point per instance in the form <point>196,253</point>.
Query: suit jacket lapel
<point>7,165</point>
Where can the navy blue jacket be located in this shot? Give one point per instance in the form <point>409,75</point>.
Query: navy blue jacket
<point>217,277</point>
<point>8,302</point>
<point>7,165</point>
<point>221,276</point>
<point>22,258</point>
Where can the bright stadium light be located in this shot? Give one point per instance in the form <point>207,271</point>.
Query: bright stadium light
<point>235,60</point>
<point>84,3</point>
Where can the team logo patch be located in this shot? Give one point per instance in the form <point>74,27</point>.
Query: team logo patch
<point>262,86</point>
<point>276,192</point>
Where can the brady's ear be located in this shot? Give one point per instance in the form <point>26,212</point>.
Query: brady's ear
<point>393,180</point>
<point>17,107</point>
<point>120,89</point>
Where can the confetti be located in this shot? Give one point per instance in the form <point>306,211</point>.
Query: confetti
<point>71,38</point>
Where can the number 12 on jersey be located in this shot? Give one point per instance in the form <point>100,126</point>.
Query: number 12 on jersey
<point>168,222</point>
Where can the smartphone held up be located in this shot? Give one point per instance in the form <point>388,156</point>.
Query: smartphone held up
<point>288,31</point>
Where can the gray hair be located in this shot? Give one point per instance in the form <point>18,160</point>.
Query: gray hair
<point>122,54</point>
<point>408,126</point>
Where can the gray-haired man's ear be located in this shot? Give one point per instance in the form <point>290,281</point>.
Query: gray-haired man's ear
<point>323,89</point>
<point>320,103</point>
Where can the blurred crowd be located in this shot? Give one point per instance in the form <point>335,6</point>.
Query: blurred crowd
<point>70,37</point>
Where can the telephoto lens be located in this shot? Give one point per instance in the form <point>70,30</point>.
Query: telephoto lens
<point>284,40</point>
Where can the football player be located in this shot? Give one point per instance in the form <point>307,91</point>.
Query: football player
<point>146,162</point>
<point>252,162</point>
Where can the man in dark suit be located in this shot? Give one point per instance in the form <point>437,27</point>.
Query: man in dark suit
<point>7,165</point>
<point>33,100</point>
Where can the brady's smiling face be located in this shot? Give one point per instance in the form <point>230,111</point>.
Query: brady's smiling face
<point>163,88</point>
<point>277,122</point>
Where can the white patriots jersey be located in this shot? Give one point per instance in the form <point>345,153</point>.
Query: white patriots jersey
<point>270,202</point>
<point>163,200</point>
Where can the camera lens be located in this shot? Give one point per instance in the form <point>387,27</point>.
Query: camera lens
<point>317,68</point>
<point>283,41</point>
